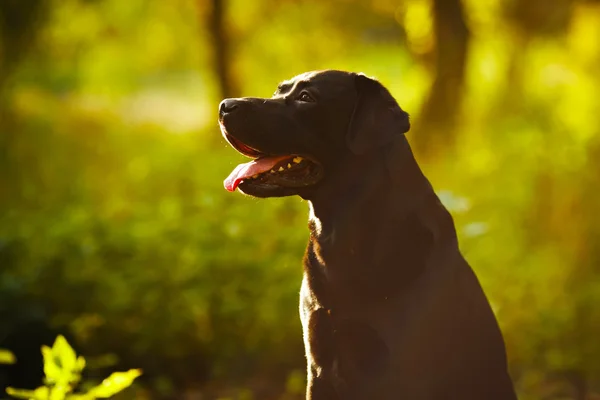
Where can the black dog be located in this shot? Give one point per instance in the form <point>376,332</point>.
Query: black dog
<point>389,307</point>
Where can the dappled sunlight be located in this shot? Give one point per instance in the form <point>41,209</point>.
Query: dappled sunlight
<point>174,112</point>
<point>417,21</point>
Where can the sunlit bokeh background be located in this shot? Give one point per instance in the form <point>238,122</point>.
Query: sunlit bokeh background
<point>115,229</point>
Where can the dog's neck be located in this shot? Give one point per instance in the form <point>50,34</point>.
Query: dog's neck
<point>389,171</point>
<point>377,214</point>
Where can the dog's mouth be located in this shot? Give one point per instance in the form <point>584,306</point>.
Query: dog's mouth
<point>268,171</point>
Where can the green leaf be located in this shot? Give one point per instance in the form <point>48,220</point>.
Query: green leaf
<point>79,396</point>
<point>52,371</point>
<point>65,354</point>
<point>6,357</point>
<point>59,392</point>
<point>61,364</point>
<point>41,393</point>
<point>114,384</point>
<point>80,363</point>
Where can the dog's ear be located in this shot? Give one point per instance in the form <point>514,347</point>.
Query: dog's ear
<point>376,119</point>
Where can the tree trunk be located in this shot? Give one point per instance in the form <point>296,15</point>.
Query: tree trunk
<point>436,127</point>
<point>221,49</point>
<point>20,23</point>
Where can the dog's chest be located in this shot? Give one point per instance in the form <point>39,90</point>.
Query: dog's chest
<point>340,348</point>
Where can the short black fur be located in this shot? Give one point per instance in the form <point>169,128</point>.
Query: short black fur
<point>389,307</point>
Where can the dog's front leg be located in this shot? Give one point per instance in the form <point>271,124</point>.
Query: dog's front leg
<point>320,356</point>
<point>320,388</point>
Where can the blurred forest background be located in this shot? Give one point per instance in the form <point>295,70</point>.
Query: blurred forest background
<point>115,229</point>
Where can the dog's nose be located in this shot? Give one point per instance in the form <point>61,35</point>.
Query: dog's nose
<point>227,106</point>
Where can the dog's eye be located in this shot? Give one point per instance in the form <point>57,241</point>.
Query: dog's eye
<point>305,96</point>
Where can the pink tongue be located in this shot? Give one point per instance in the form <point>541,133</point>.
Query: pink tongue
<point>244,171</point>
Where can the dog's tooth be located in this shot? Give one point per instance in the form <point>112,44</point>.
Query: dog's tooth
<point>297,160</point>
<point>289,165</point>
<point>280,169</point>
<point>272,171</point>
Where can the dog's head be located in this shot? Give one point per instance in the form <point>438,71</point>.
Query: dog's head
<point>310,123</point>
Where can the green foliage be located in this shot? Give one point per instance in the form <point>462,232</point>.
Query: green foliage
<point>114,224</point>
<point>62,369</point>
